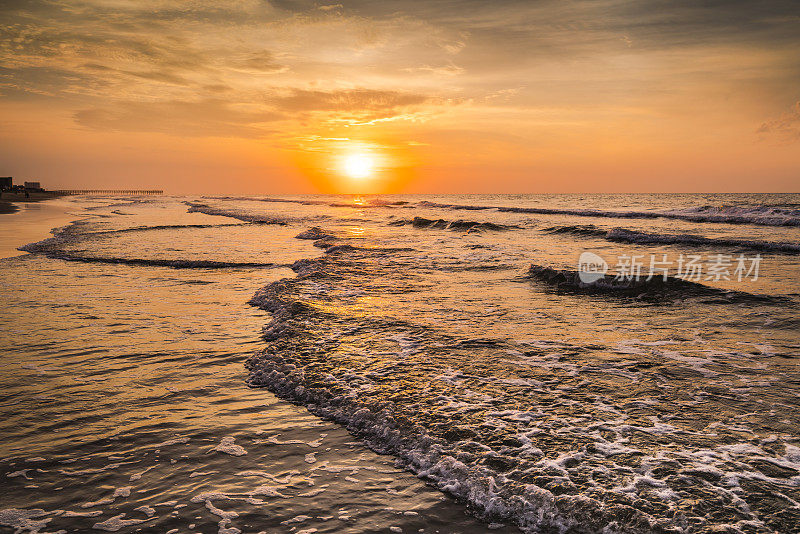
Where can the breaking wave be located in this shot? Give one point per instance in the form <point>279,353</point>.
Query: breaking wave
<point>355,203</point>
<point>556,441</point>
<point>633,236</point>
<point>121,204</point>
<point>76,232</point>
<point>161,227</point>
<point>459,225</point>
<point>624,235</point>
<point>304,366</point>
<point>576,229</point>
<point>756,215</point>
<point>235,214</point>
<point>643,288</point>
<point>315,233</point>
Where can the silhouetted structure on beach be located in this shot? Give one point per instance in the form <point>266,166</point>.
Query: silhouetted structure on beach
<point>7,184</point>
<point>110,191</point>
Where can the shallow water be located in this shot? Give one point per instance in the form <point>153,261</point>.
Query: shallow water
<point>32,222</point>
<point>412,322</point>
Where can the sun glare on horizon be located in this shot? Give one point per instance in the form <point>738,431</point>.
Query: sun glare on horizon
<point>359,166</point>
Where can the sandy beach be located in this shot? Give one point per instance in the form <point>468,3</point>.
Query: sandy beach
<point>31,220</point>
<point>9,202</point>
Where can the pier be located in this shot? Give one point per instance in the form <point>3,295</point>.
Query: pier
<point>110,191</point>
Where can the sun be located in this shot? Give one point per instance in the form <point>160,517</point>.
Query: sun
<point>358,166</point>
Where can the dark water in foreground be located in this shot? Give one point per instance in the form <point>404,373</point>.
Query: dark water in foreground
<point>416,323</point>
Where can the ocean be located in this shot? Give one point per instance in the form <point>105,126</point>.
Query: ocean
<point>401,363</point>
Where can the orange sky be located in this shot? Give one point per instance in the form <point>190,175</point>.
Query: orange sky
<point>248,96</point>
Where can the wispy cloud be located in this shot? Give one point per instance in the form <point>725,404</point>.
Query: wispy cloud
<point>214,118</point>
<point>346,100</point>
<point>786,127</point>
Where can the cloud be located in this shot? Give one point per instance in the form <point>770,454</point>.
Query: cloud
<point>262,60</point>
<point>346,100</point>
<point>213,67</point>
<point>785,127</point>
<point>37,82</point>
<point>443,70</point>
<point>206,118</point>
<point>159,76</point>
<point>356,107</point>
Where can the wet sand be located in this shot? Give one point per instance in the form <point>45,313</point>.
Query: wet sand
<point>26,222</point>
<point>9,202</point>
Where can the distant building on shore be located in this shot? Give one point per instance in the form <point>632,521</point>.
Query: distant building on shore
<point>6,182</point>
<point>33,186</point>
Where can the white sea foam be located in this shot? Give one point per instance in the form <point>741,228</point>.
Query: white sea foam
<point>24,519</point>
<point>755,215</point>
<point>234,213</point>
<point>228,446</point>
<point>117,523</point>
<point>481,460</point>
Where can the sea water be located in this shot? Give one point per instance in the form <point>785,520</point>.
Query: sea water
<point>404,363</point>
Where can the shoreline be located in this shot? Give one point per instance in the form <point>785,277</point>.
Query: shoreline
<point>7,207</point>
<point>30,221</point>
<point>9,200</point>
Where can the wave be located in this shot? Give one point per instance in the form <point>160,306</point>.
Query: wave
<point>62,236</point>
<point>623,235</point>
<point>370,203</point>
<point>315,232</point>
<point>576,229</point>
<point>759,215</point>
<point>304,202</point>
<point>755,215</point>
<point>154,262</point>
<point>633,236</point>
<point>466,207</point>
<point>355,203</point>
<point>122,204</point>
<point>459,225</point>
<point>53,247</point>
<point>769,210</point>
<point>294,366</point>
<point>346,247</point>
<point>80,229</point>
<point>653,289</point>
<point>135,229</point>
<point>235,214</point>
<point>540,445</point>
<point>432,458</point>
<point>377,397</point>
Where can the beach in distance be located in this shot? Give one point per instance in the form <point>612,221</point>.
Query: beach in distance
<point>401,363</point>
<point>9,200</point>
